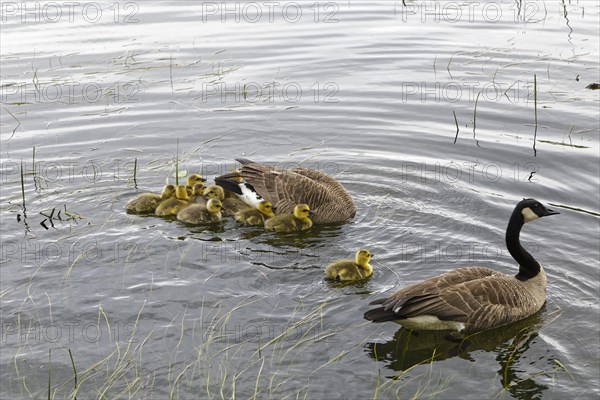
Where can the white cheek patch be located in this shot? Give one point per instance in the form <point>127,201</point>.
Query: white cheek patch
<point>529,215</point>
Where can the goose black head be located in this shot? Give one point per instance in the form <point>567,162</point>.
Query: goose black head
<point>531,209</point>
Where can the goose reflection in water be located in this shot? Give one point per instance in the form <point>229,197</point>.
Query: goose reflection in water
<point>510,342</point>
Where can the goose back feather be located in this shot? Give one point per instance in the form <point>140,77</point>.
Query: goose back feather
<point>285,188</point>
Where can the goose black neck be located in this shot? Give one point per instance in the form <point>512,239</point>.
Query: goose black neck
<point>528,266</point>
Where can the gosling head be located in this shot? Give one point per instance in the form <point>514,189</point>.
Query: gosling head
<point>214,206</point>
<point>193,179</point>
<point>168,192</point>
<point>214,192</point>
<point>302,211</point>
<point>363,257</point>
<point>238,178</point>
<point>198,189</point>
<point>266,208</point>
<point>532,209</point>
<point>181,192</point>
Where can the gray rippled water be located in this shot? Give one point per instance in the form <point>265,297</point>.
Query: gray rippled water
<point>372,93</point>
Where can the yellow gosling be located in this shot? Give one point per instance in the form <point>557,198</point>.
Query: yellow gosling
<point>351,270</point>
<point>191,180</point>
<point>298,221</point>
<point>146,203</point>
<point>197,195</point>
<point>232,205</point>
<point>175,204</point>
<point>256,216</point>
<point>197,214</point>
<point>214,192</point>
<point>239,178</point>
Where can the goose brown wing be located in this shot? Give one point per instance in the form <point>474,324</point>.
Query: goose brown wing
<point>480,304</point>
<point>283,189</point>
<point>287,188</point>
<point>450,296</point>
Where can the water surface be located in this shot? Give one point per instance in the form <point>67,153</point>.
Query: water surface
<point>365,91</point>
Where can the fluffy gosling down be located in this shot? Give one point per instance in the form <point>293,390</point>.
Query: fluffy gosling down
<point>256,216</point>
<point>146,203</point>
<point>172,206</point>
<point>197,214</point>
<point>197,194</point>
<point>298,221</point>
<point>231,205</point>
<point>214,192</point>
<point>351,270</point>
<point>193,179</point>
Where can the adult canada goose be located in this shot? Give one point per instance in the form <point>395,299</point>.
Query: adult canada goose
<point>285,188</point>
<point>173,205</point>
<point>351,270</point>
<point>256,216</point>
<point>197,195</point>
<point>298,221</point>
<point>473,298</point>
<point>231,205</point>
<point>146,203</point>
<point>201,214</point>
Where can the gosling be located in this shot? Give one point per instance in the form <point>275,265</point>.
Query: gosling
<point>193,179</point>
<point>231,205</point>
<point>256,216</point>
<point>146,203</point>
<point>298,221</point>
<point>172,206</point>
<point>349,270</point>
<point>197,195</point>
<point>197,214</point>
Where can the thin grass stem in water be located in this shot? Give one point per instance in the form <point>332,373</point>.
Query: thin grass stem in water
<point>535,113</point>
<point>74,373</point>
<point>457,129</point>
<point>135,172</point>
<point>22,187</point>
<point>475,119</point>
<point>49,371</point>
<point>177,164</point>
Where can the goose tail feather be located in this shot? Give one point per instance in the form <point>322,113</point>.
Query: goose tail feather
<point>381,315</point>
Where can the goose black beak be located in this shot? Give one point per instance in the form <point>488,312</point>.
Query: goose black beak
<point>550,211</point>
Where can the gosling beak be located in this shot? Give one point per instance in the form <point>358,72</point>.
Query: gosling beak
<point>223,209</point>
<point>274,209</point>
<point>311,212</point>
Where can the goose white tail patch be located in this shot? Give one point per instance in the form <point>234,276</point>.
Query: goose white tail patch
<point>528,214</point>
<point>430,323</point>
<point>249,196</point>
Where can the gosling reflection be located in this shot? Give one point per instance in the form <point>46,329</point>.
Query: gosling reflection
<point>410,348</point>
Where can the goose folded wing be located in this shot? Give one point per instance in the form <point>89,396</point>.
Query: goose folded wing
<point>473,301</point>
